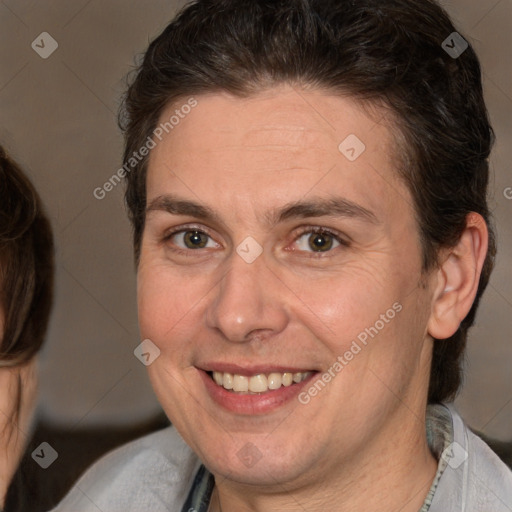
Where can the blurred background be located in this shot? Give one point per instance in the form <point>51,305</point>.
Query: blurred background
<point>58,120</point>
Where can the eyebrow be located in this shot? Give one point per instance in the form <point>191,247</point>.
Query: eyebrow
<point>176,206</point>
<point>321,207</point>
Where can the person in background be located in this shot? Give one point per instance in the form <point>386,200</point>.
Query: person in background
<point>26,292</point>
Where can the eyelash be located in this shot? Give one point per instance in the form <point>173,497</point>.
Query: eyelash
<point>324,231</point>
<point>184,229</point>
<point>302,231</point>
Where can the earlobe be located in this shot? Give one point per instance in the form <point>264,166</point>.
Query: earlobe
<point>458,278</point>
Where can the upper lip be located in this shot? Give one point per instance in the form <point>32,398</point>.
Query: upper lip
<point>249,370</point>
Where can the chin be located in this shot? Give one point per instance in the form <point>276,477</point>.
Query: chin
<point>267,466</point>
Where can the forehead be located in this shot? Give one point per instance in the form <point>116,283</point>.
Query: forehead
<point>281,144</point>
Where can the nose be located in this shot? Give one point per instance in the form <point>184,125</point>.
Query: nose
<point>248,303</point>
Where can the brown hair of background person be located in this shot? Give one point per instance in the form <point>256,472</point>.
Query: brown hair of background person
<point>26,265</point>
<point>444,137</point>
<point>26,291</point>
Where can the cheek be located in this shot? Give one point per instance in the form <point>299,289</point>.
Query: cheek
<point>339,307</point>
<point>162,298</point>
<point>170,310</point>
<point>368,324</point>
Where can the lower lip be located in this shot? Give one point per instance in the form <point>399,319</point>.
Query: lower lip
<point>248,404</point>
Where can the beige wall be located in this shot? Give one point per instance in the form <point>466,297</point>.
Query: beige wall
<point>58,118</point>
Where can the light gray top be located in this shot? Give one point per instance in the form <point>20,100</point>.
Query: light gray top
<point>156,473</point>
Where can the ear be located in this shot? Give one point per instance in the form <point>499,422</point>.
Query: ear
<point>458,278</point>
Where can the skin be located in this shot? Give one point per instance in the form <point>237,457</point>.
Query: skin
<point>360,444</point>
<point>14,431</point>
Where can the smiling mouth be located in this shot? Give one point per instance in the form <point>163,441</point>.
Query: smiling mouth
<point>256,384</point>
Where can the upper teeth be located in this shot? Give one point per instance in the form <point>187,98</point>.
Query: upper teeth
<point>257,383</point>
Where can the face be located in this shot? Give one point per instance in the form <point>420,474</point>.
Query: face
<point>272,254</point>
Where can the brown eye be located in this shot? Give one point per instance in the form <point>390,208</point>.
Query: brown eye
<point>317,241</point>
<point>185,239</point>
<point>195,239</point>
<point>320,242</point>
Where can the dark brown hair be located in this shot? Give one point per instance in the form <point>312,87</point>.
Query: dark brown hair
<point>388,52</point>
<point>26,266</point>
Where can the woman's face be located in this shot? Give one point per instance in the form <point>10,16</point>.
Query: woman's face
<point>281,251</point>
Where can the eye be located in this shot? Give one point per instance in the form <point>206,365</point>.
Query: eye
<point>318,240</point>
<point>191,239</point>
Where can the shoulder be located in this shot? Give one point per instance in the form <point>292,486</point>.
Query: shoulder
<point>152,473</point>
<point>474,475</point>
<point>489,479</point>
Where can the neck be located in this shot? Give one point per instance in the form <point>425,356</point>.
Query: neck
<point>391,473</point>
